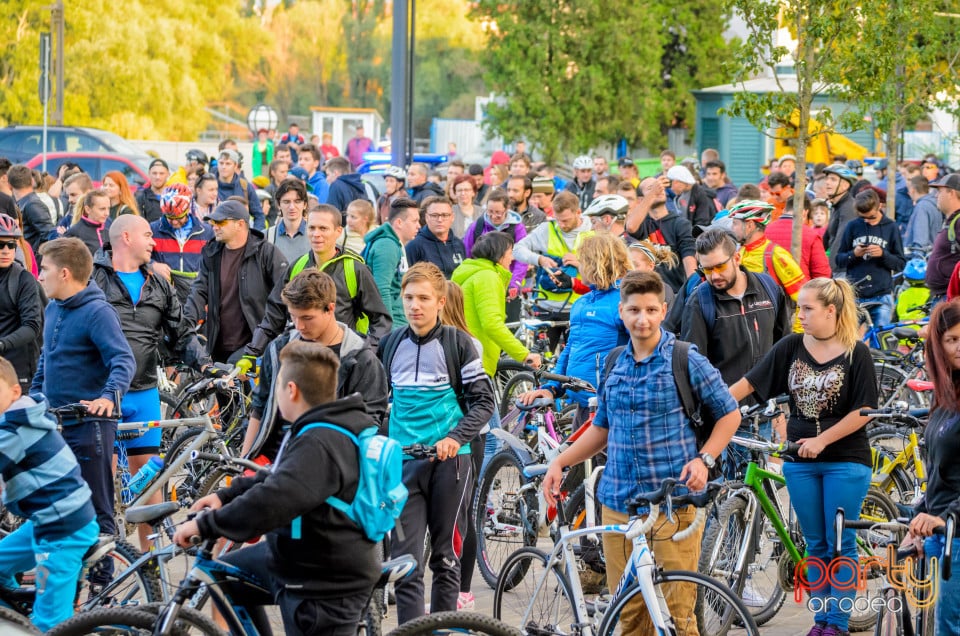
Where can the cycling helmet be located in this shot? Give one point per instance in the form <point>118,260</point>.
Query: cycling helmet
<point>397,173</point>
<point>916,270</point>
<point>841,171</point>
<point>583,162</point>
<point>8,226</point>
<point>175,200</point>
<point>856,166</point>
<point>756,211</point>
<point>608,204</point>
<point>263,195</point>
<point>197,155</point>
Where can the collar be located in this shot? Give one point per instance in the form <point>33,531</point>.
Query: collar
<point>760,242</point>
<point>666,338</point>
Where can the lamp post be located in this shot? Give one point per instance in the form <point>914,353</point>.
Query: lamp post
<point>262,117</point>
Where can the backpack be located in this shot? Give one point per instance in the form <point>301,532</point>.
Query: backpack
<point>349,277</point>
<point>564,274</point>
<point>448,341</point>
<point>381,494</point>
<point>480,223</point>
<point>708,305</point>
<point>692,407</point>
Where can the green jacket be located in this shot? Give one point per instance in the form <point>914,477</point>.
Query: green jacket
<point>387,261</point>
<point>484,286</point>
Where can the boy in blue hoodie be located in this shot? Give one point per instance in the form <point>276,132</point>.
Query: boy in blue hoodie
<point>42,483</point>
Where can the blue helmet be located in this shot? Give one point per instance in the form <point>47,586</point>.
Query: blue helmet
<point>842,171</point>
<point>915,271</point>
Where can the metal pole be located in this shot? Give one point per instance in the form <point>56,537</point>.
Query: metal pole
<point>59,21</point>
<point>410,74</point>
<point>398,85</point>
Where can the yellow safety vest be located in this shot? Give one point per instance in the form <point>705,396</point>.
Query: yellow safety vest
<point>557,246</point>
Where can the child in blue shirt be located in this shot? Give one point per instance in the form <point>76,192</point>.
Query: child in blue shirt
<point>42,483</point>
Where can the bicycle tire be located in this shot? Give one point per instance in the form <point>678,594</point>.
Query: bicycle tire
<point>876,506</point>
<point>519,382</point>
<point>892,385</point>
<point>713,620</point>
<point>196,622</point>
<point>12,623</point>
<point>115,621</point>
<point>455,623</point>
<point>142,589</point>
<point>545,611</point>
<point>590,561</point>
<point>886,442</point>
<point>498,495</point>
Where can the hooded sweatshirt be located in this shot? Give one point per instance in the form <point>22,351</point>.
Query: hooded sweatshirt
<point>387,261</point>
<point>346,189</point>
<point>333,558</point>
<point>85,354</point>
<point>444,254</point>
<point>41,476</point>
<point>513,226</point>
<point>92,234</point>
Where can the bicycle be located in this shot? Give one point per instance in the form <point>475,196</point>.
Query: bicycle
<point>455,623</point>
<point>544,589</point>
<point>898,457</point>
<point>757,538</point>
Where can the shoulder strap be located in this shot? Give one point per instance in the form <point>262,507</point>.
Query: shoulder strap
<point>350,276</point>
<point>272,233</point>
<point>611,361</point>
<point>388,348</point>
<point>952,228</point>
<point>299,265</point>
<point>773,290</point>
<point>451,354</point>
<point>244,185</point>
<point>332,427</point>
<point>768,267</point>
<point>13,282</point>
<point>681,376</point>
<point>708,306</point>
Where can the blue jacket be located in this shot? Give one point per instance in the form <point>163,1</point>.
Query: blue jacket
<point>235,189</point>
<point>318,187</point>
<point>346,189</point>
<point>41,475</point>
<point>873,274</point>
<point>85,354</point>
<point>595,329</point>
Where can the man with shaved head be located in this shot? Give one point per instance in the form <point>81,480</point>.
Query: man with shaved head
<point>148,308</point>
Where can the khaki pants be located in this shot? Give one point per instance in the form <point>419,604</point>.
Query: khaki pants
<point>669,555</point>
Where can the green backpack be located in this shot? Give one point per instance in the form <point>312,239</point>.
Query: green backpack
<point>349,276</point>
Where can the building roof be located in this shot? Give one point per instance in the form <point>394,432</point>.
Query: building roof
<point>787,84</point>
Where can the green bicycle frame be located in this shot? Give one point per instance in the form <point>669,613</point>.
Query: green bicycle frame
<point>754,479</point>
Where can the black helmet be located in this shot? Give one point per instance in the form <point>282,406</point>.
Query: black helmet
<point>197,155</point>
<point>856,166</point>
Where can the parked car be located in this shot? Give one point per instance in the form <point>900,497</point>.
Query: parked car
<point>21,143</point>
<point>97,164</point>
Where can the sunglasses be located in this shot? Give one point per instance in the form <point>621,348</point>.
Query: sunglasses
<point>722,267</point>
<point>218,222</point>
<point>177,217</point>
<point>10,245</point>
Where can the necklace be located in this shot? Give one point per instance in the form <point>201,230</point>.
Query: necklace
<point>818,338</point>
<point>338,337</point>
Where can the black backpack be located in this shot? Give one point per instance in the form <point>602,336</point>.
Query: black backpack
<point>480,224</point>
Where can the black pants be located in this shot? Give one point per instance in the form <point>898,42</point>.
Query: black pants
<point>437,501</point>
<point>92,444</point>
<point>302,614</point>
<point>468,560</point>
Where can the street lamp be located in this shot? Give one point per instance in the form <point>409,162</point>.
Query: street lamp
<point>262,117</point>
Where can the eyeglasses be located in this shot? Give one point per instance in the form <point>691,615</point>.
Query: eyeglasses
<point>10,245</point>
<point>464,191</point>
<point>722,267</point>
<point>217,222</point>
<point>437,217</point>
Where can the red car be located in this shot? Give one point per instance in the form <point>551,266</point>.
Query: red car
<point>97,164</point>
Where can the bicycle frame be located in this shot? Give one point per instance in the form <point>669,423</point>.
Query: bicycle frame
<point>909,454</point>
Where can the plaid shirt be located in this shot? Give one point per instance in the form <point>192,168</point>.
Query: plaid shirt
<point>650,437</point>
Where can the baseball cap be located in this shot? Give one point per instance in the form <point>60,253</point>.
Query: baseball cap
<point>625,162</point>
<point>158,162</point>
<point>681,174</point>
<point>230,211</point>
<point>722,222</point>
<point>787,158</point>
<point>543,185</point>
<point>230,154</point>
<point>951,181</point>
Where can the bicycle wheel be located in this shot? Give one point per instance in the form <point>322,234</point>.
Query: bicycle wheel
<point>541,602</point>
<point>191,621</point>
<point>892,385</point>
<point>590,562</point>
<point>506,368</point>
<point>506,519</point>
<point>455,623</point>
<point>14,624</point>
<point>880,508</point>
<point>518,383</point>
<point>129,588</point>
<point>110,621</point>
<point>886,443</point>
<point>715,608</point>
<point>185,484</point>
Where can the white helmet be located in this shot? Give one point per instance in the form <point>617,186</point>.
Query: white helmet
<point>583,162</point>
<point>608,204</point>
<point>397,173</point>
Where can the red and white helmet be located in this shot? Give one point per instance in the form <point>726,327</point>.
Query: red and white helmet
<point>175,200</point>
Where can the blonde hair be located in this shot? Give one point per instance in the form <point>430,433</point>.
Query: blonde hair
<point>364,208</point>
<point>603,260</point>
<point>656,253</point>
<point>452,312</point>
<point>840,294</point>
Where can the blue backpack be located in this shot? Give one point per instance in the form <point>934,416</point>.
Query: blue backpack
<point>708,306</point>
<point>381,494</point>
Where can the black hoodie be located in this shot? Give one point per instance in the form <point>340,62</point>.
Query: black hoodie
<point>447,255</point>
<point>333,558</point>
<point>345,190</point>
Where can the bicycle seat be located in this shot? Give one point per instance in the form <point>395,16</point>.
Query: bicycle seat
<point>920,385</point>
<point>153,514</point>
<point>535,470</point>
<point>105,543</point>
<point>872,304</point>
<point>396,569</point>
<point>539,403</point>
<point>906,333</point>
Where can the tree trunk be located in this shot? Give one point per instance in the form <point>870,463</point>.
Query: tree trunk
<point>806,53</point>
<point>893,143</point>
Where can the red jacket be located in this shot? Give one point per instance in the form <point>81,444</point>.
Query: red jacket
<point>953,286</point>
<point>813,258</point>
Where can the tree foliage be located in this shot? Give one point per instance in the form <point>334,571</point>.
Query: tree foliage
<point>572,75</point>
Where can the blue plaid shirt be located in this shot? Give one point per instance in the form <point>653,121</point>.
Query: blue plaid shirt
<point>649,436</point>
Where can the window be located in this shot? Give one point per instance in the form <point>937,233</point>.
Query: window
<point>81,142</point>
<point>133,177</point>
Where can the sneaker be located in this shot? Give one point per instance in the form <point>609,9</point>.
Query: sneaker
<point>833,630</point>
<point>818,630</point>
<point>466,601</point>
<point>752,598</point>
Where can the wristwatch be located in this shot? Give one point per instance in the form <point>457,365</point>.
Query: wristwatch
<point>708,460</point>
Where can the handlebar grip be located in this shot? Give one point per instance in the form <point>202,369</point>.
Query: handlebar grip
<point>646,526</point>
<point>208,457</point>
<point>790,448</point>
<point>698,520</point>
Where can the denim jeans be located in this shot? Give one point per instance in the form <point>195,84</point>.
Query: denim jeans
<point>817,489</point>
<point>948,599</point>
<point>880,315</point>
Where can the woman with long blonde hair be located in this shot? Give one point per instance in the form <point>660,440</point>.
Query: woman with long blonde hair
<point>828,373</point>
<point>121,198</point>
<point>595,324</point>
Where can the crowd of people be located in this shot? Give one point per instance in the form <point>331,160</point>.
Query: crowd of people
<point>361,307</point>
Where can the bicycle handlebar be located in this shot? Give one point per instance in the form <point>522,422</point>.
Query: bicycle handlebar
<point>896,411</point>
<point>79,411</point>
<point>568,382</point>
<point>664,495</point>
<point>227,459</point>
<point>777,450</point>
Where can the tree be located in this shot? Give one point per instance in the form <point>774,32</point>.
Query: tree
<point>823,30</point>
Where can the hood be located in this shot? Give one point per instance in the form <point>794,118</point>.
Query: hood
<point>88,294</point>
<point>727,187</point>
<point>430,236</point>
<point>429,186</point>
<point>352,181</point>
<point>384,231</point>
<point>27,411</point>
<point>472,266</point>
<point>352,341</point>
<point>348,412</point>
<point>499,157</point>
<point>513,218</point>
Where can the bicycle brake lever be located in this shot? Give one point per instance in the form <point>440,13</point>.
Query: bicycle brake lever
<point>669,506</point>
